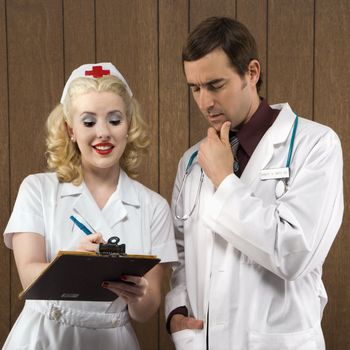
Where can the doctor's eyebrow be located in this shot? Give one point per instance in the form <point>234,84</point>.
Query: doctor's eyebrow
<point>210,83</point>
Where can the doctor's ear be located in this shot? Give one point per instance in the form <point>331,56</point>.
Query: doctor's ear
<point>253,71</point>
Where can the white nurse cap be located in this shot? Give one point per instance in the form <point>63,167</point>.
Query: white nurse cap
<point>94,70</point>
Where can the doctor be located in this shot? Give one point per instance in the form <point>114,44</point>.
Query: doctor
<point>96,140</point>
<point>257,213</point>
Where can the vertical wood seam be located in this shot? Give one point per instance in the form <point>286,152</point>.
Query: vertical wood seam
<point>95,31</point>
<point>158,140</point>
<point>63,45</point>
<point>8,156</point>
<point>158,103</point>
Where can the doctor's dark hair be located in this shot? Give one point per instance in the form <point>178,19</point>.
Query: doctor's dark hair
<point>229,35</point>
<point>63,155</point>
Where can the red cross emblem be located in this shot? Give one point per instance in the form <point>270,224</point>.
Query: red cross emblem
<point>97,72</point>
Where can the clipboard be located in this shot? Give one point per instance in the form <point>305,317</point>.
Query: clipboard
<point>78,275</point>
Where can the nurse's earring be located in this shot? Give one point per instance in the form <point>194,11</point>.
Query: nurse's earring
<point>70,132</point>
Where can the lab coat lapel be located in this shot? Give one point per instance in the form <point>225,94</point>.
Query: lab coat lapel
<point>276,134</point>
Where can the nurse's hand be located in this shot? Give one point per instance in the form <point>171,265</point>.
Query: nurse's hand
<point>215,155</point>
<point>90,242</point>
<point>132,291</point>
<point>142,294</point>
<point>180,322</point>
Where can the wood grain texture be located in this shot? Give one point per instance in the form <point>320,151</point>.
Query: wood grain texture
<point>127,35</point>
<point>290,54</point>
<point>253,14</point>
<point>79,34</point>
<point>200,10</point>
<point>35,55</point>
<point>173,111</point>
<point>332,107</point>
<point>173,92</point>
<point>4,181</point>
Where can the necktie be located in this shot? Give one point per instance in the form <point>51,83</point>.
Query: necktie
<point>234,146</point>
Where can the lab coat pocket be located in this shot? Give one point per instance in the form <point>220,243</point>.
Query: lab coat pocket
<point>189,339</point>
<point>304,340</point>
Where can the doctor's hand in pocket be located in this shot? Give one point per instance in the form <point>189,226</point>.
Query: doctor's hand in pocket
<point>187,333</point>
<point>180,322</point>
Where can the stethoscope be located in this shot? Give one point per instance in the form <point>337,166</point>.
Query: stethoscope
<point>281,186</point>
<point>196,201</point>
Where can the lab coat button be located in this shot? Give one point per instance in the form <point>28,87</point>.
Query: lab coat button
<point>55,314</point>
<point>114,323</point>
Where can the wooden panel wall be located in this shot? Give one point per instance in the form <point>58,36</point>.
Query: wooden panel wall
<point>332,107</point>
<point>173,107</point>
<point>304,50</point>
<point>35,66</point>
<point>4,179</point>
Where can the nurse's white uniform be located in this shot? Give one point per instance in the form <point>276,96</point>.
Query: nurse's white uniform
<point>254,261</point>
<point>138,216</point>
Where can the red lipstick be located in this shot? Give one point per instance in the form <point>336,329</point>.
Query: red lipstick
<point>103,148</point>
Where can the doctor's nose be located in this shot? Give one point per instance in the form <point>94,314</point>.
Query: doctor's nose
<point>205,100</point>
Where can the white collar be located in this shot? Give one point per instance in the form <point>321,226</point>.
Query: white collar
<point>126,190</point>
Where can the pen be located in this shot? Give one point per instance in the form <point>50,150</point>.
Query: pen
<point>80,225</point>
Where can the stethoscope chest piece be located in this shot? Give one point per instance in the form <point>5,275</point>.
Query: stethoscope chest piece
<point>281,188</point>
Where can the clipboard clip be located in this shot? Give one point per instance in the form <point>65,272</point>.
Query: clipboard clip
<point>112,247</point>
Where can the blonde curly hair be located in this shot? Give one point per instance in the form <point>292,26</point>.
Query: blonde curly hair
<point>64,157</point>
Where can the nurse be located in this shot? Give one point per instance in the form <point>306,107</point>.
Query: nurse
<point>260,206</point>
<point>95,141</point>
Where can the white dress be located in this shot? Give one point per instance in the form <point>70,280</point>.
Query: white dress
<point>138,216</point>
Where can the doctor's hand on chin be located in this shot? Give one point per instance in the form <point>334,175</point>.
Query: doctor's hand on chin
<point>215,154</point>
<point>180,322</point>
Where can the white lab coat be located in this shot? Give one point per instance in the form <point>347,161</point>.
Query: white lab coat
<point>254,261</point>
<point>138,216</point>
